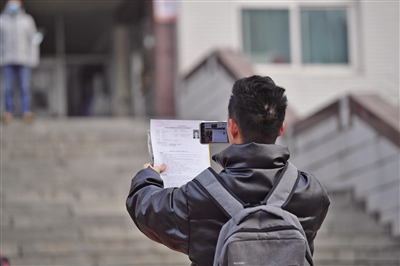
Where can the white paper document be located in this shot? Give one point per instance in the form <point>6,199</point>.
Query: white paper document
<point>176,143</point>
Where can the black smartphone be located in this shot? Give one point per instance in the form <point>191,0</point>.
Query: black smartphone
<point>213,132</point>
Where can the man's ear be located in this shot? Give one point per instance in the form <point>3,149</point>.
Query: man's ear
<point>233,132</point>
<point>281,130</point>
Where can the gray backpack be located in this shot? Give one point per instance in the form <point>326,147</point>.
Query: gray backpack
<point>262,235</point>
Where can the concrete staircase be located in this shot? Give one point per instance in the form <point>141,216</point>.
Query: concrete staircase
<point>63,189</point>
<point>64,185</point>
<point>350,237</point>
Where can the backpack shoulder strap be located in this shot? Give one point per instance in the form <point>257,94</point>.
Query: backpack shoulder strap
<point>214,187</point>
<point>280,193</point>
<point>283,187</point>
<point>276,197</point>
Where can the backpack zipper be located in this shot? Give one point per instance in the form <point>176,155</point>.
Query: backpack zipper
<point>264,230</point>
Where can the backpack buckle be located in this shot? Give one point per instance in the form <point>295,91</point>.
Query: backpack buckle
<point>249,205</point>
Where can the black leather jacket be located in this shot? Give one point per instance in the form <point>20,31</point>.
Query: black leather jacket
<point>185,219</point>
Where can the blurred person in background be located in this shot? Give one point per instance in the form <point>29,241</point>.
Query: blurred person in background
<point>19,52</point>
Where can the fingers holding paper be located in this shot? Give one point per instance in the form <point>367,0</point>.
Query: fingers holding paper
<point>158,168</point>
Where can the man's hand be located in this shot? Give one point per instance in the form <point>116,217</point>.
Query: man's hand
<point>158,168</point>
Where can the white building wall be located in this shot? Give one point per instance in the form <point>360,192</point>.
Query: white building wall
<point>202,26</point>
<point>374,30</point>
<point>380,20</point>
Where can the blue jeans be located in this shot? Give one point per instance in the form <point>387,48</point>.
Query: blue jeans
<point>23,76</point>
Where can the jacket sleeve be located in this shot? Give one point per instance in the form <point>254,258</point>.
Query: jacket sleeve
<point>2,40</point>
<point>34,44</point>
<point>160,214</point>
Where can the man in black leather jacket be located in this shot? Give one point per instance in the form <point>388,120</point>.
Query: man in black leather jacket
<point>187,220</point>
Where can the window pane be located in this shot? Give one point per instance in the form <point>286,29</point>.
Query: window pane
<point>266,35</point>
<point>324,36</point>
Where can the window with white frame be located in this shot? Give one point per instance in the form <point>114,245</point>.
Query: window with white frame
<point>267,36</point>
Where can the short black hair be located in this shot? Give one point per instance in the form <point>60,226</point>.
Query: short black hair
<point>258,107</point>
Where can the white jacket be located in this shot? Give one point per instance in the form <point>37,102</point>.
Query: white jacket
<point>17,39</point>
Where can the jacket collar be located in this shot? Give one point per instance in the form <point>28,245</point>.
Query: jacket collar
<point>252,155</point>
<point>250,170</point>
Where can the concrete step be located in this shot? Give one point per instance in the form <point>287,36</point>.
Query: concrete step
<point>349,236</point>
<point>114,259</point>
<point>98,252</point>
<point>93,239</point>
<point>74,139</point>
<point>68,208</point>
<point>346,253</point>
